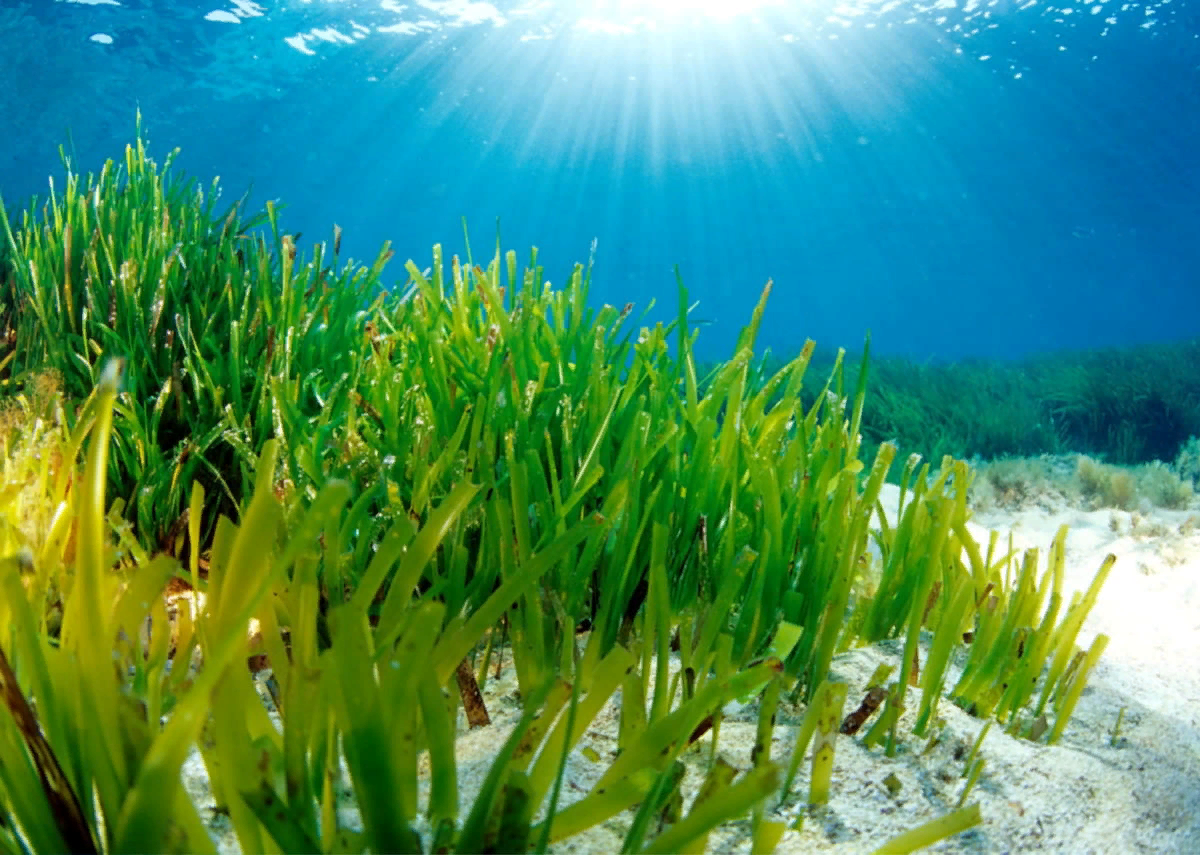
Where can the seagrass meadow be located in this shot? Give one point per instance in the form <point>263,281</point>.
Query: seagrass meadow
<point>221,449</point>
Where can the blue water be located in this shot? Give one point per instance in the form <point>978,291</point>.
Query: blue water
<point>963,180</point>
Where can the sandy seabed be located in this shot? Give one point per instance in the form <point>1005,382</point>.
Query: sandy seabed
<point>1088,793</point>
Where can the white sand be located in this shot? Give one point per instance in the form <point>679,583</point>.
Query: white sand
<point>1081,795</point>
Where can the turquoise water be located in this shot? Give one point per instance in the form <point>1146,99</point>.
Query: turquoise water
<point>961,179</point>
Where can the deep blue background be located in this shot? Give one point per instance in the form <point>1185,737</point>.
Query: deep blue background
<point>993,182</point>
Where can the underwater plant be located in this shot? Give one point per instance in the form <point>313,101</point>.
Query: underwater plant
<point>222,326</point>
<point>1187,462</point>
<point>1129,406</point>
<point>480,465</point>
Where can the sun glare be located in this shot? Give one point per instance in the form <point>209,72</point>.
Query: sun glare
<point>630,10</point>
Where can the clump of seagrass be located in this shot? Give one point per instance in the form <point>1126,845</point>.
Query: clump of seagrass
<point>383,489</point>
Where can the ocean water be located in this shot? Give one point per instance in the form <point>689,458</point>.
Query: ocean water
<point>961,179</point>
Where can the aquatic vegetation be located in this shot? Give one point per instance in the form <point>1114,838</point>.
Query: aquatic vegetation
<point>228,339</point>
<point>1162,486</point>
<point>1121,487</point>
<point>1127,406</point>
<point>397,486</point>
<point>1187,462</point>
<point>1016,482</point>
<point>968,409</point>
<point>1130,406</point>
<point>1108,486</point>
